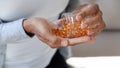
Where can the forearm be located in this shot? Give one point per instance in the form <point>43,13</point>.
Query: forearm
<point>12,31</point>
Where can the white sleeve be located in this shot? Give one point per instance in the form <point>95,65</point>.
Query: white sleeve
<point>12,31</point>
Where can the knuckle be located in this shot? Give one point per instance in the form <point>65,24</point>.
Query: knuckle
<point>95,5</point>
<point>83,14</point>
<point>100,12</point>
<point>104,25</point>
<point>91,9</point>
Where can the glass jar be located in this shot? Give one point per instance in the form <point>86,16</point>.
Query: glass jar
<point>71,28</point>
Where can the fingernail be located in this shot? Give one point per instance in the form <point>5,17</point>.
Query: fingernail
<point>83,26</point>
<point>78,18</point>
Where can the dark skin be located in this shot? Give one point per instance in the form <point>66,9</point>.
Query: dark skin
<point>42,27</point>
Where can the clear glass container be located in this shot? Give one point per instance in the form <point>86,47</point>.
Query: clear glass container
<point>71,28</point>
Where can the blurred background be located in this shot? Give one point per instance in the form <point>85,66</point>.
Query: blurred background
<point>107,43</point>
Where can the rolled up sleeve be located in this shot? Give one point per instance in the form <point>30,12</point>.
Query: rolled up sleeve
<point>12,31</point>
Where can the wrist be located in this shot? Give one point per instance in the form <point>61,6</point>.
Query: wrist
<point>27,26</point>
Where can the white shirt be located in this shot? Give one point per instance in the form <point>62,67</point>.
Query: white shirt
<point>29,53</point>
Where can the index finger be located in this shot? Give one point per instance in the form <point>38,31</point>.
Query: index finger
<point>89,10</point>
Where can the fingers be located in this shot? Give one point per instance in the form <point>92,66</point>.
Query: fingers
<point>70,42</point>
<point>52,40</point>
<point>88,10</point>
<point>79,8</point>
<point>80,40</point>
<point>97,30</point>
<point>95,23</point>
<point>92,21</point>
<point>56,42</point>
<point>61,22</point>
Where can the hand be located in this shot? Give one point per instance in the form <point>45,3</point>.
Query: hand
<point>91,16</point>
<point>42,28</point>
